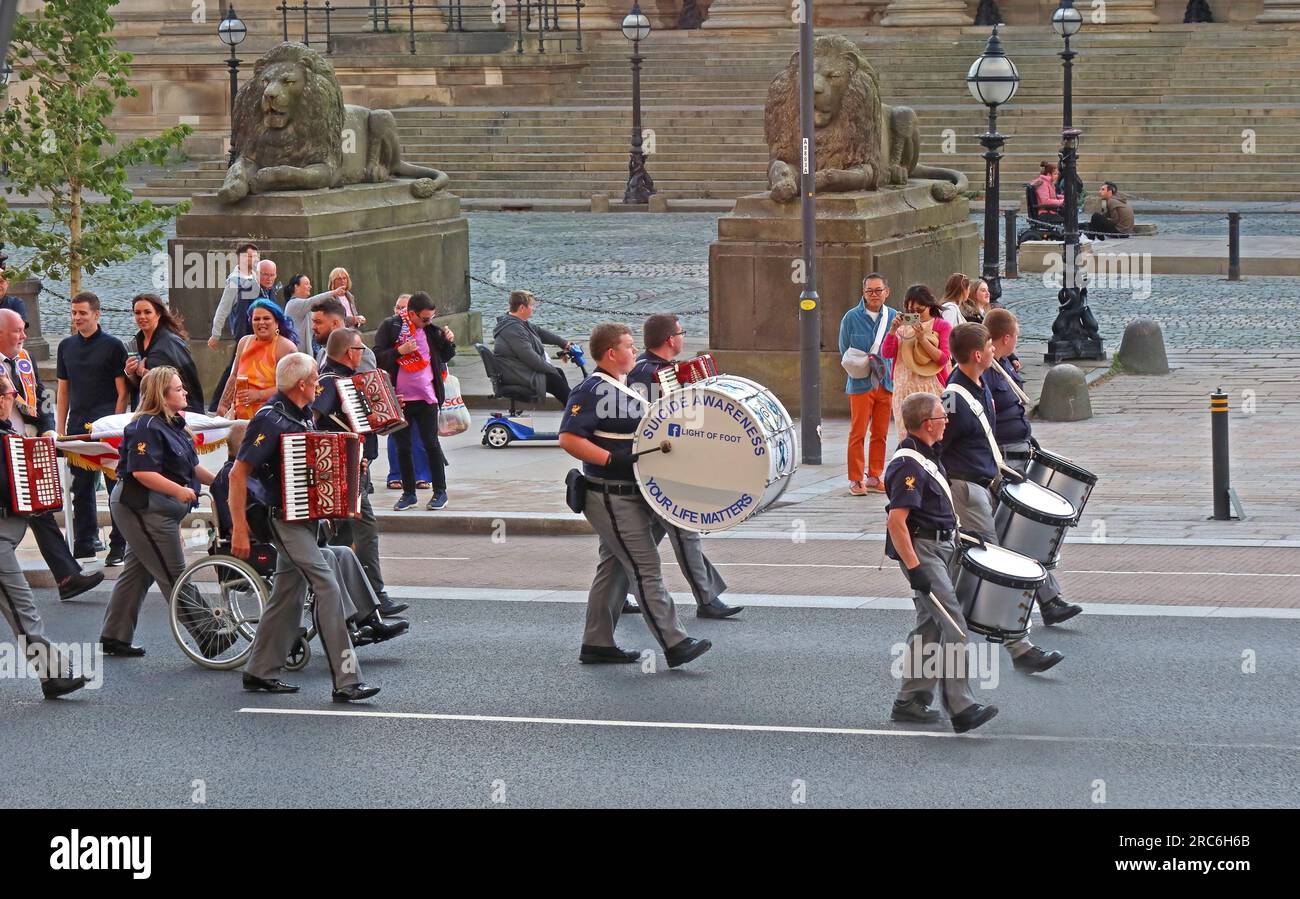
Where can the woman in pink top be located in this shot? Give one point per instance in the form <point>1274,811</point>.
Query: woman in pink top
<point>1045,188</point>
<point>929,339</point>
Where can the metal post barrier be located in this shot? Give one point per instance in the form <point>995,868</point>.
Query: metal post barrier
<point>329,33</point>
<point>1234,246</point>
<point>411,33</point>
<point>519,18</point>
<point>1013,263</point>
<point>541,27</point>
<point>1219,450</point>
<point>577,9</point>
<point>284,20</point>
<point>306,38</point>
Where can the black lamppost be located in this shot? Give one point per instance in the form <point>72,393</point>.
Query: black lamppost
<point>988,13</point>
<point>1074,333</point>
<point>6,71</point>
<point>232,33</point>
<point>993,80</point>
<point>636,28</point>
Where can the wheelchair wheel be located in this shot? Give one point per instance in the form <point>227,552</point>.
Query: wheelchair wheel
<point>216,605</point>
<point>300,655</point>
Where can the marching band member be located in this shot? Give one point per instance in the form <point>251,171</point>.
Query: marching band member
<point>968,455</point>
<point>17,604</point>
<point>922,528</point>
<point>299,560</point>
<point>663,339</point>
<point>597,429</point>
<point>1015,436</point>
<point>365,625</point>
<point>158,478</point>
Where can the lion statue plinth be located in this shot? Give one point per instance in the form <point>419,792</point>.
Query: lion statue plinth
<point>862,144</point>
<point>292,131</point>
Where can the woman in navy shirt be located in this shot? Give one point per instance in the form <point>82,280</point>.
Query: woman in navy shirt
<point>158,483</point>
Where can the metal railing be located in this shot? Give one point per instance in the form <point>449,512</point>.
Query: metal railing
<point>555,21</point>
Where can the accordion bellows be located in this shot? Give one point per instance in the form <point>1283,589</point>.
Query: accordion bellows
<point>320,476</point>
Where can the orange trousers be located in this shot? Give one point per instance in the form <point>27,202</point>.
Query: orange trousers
<point>870,413</point>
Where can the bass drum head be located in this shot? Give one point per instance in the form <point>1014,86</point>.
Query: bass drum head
<point>1004,567</point>
<point>733,450</point>
<point>1037,503</point>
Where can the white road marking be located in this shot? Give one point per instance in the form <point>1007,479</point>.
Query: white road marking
<point>749,728</point>
<point>890,567</point>
<point>424,558</point>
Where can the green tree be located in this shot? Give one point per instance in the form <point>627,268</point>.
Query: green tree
<point>57,145</point>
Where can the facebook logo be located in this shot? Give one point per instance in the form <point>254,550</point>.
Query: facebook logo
<point>674,430</point>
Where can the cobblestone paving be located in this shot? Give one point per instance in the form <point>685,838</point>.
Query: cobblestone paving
<point>587,268</point>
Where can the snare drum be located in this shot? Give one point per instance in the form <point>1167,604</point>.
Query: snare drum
<point>1058,473</point>
<point>734,450</point>
<point>996,588</point>
<point>1032,520</point>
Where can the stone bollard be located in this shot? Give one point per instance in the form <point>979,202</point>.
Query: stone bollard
<point>30,292</point>
<point>658,203</point>
<point>1142,351</point>
<point>600,203</point>
<point>1065,395</point>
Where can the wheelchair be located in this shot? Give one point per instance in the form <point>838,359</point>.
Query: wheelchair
<point>217,602</point>
<point>1042,224</point>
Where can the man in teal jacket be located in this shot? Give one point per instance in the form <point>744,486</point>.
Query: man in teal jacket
<point>864,327</point>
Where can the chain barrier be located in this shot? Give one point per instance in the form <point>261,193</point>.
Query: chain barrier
<point>590,308</point>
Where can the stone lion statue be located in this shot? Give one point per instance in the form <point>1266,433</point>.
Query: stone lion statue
<point>862,144</point>
<point>292,131</point>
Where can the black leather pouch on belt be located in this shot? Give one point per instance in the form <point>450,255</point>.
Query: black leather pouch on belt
<point>575,490</point>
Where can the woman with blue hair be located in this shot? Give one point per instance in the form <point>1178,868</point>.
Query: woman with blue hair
<point>253,380</point>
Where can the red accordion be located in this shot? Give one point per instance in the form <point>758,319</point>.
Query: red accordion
<point>320,476</point>
<point>674,377</point>
<point>34,482</point>
<point>367,393</point>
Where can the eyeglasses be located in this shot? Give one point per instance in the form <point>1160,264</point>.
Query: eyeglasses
<point>876,291</point>
<point>940,418</point>
<point>8,393</point>
<point>679,333</point>
<point>355,349</point>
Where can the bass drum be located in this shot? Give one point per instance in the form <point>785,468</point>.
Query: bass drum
<point>733,452</point>
<point>996,589</point>
<point>1072,481</point>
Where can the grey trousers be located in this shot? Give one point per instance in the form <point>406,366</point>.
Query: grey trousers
<point>359,599</point>
<point>365,538</point>
<point>17,604</point>
<point>154,554</point>
<point>1051,587</point>
<point>975,509</point>
<point>629,555</point>
<point>705,580</point>
<point>933,631</point>
<point>301,562</point>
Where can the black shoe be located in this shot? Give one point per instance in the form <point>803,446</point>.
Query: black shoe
<point>973,717</point>
<point>353,693</point>
<point>717,609</point>
<point>376,630</point>
<point>686,651</point>
<point>391,606</point>
<point>631,608</point>
<point>87,552</point>
<point>915,710</point>
<point>55,687</point>
<point>1036,661</point>
<point>1057,610</point>
<point>116,557</point>
<point>606,655</point>
<point>119,648</point>
<point>77,584</point>
<point>254,684</point>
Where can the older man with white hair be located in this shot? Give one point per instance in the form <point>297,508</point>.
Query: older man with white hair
<point>300,560</point>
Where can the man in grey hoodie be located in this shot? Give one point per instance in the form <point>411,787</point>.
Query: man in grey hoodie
<point>1116,219</point>
<point>520,350</point>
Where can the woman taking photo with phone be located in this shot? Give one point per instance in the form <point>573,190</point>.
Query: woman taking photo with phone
<point>918,344</point>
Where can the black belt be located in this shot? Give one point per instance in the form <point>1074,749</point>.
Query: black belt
<point>937,536</point>
<point>614,489</point>
<point>1018,456</point>
<point>986,483</point>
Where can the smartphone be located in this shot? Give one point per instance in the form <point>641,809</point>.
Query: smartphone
<point>910,318</point>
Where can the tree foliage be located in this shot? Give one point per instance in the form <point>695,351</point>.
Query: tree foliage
<point>59,148</point>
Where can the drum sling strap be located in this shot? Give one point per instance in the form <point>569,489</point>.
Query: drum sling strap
<point>977,409</point>
<point>933,471</point>
<point>610,435</point>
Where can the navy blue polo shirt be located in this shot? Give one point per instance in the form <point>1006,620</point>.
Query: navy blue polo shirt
<point>909,486</point>
<point>261,446</point>
<point>91,366</point>
<point>1012,424</point>
<point>162,445</point>
<point>642,377</point>
<point>965,448</point>
<point>596,405</point>
<point>220,491</point>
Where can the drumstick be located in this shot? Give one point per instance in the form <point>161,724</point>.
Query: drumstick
<point>666,447</point>
<point>944,612</point>
<point>1024,398</point>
